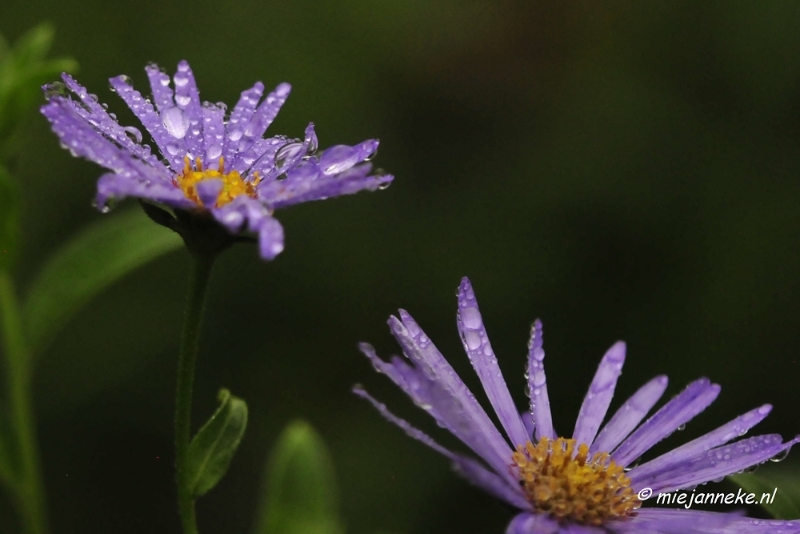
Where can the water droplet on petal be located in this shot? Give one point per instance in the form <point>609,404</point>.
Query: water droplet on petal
<point>337,159</point>
<point>181,79</point>
<point>287,152</point>
<point>183,100</point>
<point>173,149</point>
<point>133,134</point>
<point>235,134</point>
<point>214,152</point>
<point>55,89</point>
<point>175,121</point>
<point>781,456</point>
<point>682,427</point>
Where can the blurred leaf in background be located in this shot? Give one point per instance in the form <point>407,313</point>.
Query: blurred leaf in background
<point>9,221</point>
<point>784,481</point>
<point>300,486</point>
<point>23,70</point>
<point>90,262</point>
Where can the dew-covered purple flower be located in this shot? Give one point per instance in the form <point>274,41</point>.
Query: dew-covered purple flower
<point>589,483</point>
<point>207,162</point>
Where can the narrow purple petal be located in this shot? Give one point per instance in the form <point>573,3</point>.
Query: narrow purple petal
<point>83,140</point>
<point>717,463</point>
<point>537,385</point>
<point>245,212</point>
<point>527,420</point>
<point>489,482</point>
<point>270,238</point>
<point>731,430</point>
<point>678,521</point>
<point>260,158</point>
<point>258,124</point>
<point>171,148</point>
<point>466,467</point>
<point>481,355</point>
<point>128,138</point>
<point>213,134</point>
<point>629,415</point>
<point>438,403</point>
<point>339,158</point>
<point>208,191</point>
<point>240,116</point>
<point>159,84</point>
<point>305,184</point>
<point>598,398</point>
<point>487,441</point>
<point>527,523</point>
<point>113,186</point>
<point>682,408</point>
<point>188,99</point>
<point>410,430</point>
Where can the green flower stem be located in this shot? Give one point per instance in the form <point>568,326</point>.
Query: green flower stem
<point>28,484</point>
<point>193,314</point>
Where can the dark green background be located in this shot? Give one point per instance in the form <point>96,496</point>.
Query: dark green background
<point>621,170</point>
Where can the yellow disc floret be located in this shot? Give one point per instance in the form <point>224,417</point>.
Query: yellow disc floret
<point>574,486</point>
<point>233,185</point>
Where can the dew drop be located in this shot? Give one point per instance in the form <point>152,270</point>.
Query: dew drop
<point>372,154</point>
<point>286,153</point>
<point>781,456</point>
<point>55,89</point>
<point>173,149</point>
<point>181,79</point>
<point>133,134</point>
<point>235,134</point>
<point>214,152</point>
<point>175,121</point>
<point>682,427</point>
<point>337,159</point>
<point>183,100</point>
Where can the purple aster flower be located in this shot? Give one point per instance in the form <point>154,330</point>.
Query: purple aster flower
<point>588,483</point>
<point>209,165</point>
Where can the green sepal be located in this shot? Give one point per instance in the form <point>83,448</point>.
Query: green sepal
<point>9,220</point>
<point>783,481</point>
<point>213,447</point>
<point>301,495</point>
<point>94,259</point>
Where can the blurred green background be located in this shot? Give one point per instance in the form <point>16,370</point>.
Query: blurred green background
<point>623,171</point>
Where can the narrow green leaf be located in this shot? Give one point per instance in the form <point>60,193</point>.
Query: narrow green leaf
<point>213,447</point>
<point>301,495</point>
<point>9,220</point>
<point>8,461</point>
<point>93,260</point>
<point>783,483</point>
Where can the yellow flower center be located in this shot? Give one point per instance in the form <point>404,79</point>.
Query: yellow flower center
<point>573,486</point>
<point>233,185</point>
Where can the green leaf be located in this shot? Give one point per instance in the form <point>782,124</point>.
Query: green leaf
<point>213,447</point>
<point>93,260</point>
<point>8,455</point>
<point>300,486</point>
<point>9,219</point>
<point>23,70</point>
<point>784,481</point>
